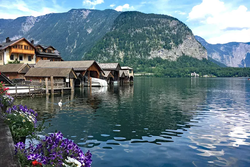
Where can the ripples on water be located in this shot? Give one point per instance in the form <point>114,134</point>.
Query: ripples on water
<point>156,122</point>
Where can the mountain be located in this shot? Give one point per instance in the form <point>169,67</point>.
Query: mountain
<point>72,33</point>
<point>233,54</point>
<point>136,36</point>
<point>107,35</point>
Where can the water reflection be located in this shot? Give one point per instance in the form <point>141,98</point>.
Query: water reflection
<point>223,122</point>
<point>179,122</point>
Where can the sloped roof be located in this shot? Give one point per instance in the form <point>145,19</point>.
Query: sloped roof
<point>76,65</point>
<point>107,73</point>
<point>125,72</point>
<point>47,72</point>
<point>126,68</point>
<point>12,67</point>
<point>5,45</point>
<point>110,66</point>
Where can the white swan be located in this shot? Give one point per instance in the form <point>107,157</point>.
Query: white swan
<point>60,103</point>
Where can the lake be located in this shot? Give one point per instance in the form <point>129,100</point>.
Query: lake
<point>157,122</point>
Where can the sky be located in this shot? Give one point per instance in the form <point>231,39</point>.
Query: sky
<point>217,21</point>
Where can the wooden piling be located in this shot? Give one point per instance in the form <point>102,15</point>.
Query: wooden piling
<point>46,85</point>
<point>29,89</point>
<point>16,90</point>
<point>89,78</point>
<point>90,82</point>
<point>52,84</point>
<point>72,85</point>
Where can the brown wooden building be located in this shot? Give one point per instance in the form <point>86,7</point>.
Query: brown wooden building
<point>47,53</point>
<point>108,76</point>
<point>83,69</point>
<point>59,74</point>
<point>113,67</point>
<point>15,71</point>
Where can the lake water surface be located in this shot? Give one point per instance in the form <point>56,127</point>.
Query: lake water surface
<point>157,122</point>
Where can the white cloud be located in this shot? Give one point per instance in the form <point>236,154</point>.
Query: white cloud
<point>125,6</point>
<point>180,13</point>
<point>92,3</point>
<point>112,5</point>
<point>19,8</point>
<point>206,8</point>
<point>219,23</point>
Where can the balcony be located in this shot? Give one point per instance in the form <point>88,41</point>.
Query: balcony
<point>22,51</point>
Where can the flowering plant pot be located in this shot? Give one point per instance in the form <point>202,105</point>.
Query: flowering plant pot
<point>22,122</point>
<point>54,150</point>
<point>6,101</point>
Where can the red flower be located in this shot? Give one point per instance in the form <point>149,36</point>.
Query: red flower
<point>35,163</point>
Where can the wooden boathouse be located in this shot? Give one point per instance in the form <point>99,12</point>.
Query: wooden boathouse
<point>108,76</point>
<point>114,68</point>
<point>14,71</point>
<point>84,69</point>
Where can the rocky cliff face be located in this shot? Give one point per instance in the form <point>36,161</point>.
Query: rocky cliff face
<point>234,54</point>
<point>146,36</point>
<point>73,33</point>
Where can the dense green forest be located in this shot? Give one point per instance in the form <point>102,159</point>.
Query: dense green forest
<point>184,66</point>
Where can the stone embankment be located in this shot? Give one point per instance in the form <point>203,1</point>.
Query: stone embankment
<point>7,153</point>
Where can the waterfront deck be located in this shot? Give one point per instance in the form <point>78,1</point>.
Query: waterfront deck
<point>7,158</point>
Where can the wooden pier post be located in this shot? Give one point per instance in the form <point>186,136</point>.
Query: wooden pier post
<point>16,90</point>
<point>72,85</point>
<point>52,84</point>
<point>29,89</point>
<point>90,82</point>
<point>89,78</point>
<point>47,86</point>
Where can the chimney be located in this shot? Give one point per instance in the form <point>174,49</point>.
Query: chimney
<point>7,39</point>
<point>32,41</point>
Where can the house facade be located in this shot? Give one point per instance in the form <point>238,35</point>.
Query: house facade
<point>17,50</point>
<point>47,53</point>
<point>25,52</point>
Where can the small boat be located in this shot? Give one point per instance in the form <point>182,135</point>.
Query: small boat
<point>96,82</point>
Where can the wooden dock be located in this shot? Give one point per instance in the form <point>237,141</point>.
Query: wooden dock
<point>40,88</point>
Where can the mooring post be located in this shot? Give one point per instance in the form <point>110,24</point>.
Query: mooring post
<point>16,90</point>
<point>46,85</point>
<point>52,84</point>
<point>72,85</point>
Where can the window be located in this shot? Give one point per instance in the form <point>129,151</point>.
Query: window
<point>29,58</point>
<point>15,46</point>
<point>20,57</point>
<point>26,47</point>
<point>20,46</point>
<point>11,57</point>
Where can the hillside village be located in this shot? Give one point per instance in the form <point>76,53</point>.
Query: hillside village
<point>23,61</point>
